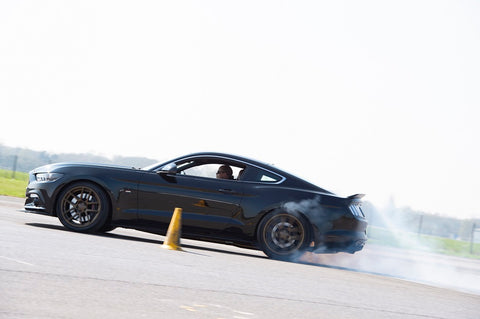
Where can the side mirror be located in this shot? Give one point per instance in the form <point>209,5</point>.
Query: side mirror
<point>168,169</point>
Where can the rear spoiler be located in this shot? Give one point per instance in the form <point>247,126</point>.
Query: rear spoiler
<point>356,196</point>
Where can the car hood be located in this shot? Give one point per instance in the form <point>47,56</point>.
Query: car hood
<point>57,166</point>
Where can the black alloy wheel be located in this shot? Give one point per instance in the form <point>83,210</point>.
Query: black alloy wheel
<point>283,236</point>
<point>83,207</point>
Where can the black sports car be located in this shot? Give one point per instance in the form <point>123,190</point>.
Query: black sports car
<point>225,198</point>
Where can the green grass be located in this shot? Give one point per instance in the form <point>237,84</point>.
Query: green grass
<point>13,184</point>
<point>408,240</point>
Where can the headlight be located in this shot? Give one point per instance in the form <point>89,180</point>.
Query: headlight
<point>47,177</point>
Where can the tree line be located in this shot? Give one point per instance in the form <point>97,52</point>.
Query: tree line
<point>420,223</point>
<point>24,160</point>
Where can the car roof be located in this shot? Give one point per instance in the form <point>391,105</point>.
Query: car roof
<point>231,156</point>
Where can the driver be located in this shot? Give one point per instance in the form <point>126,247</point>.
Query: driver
<point>225,172</point>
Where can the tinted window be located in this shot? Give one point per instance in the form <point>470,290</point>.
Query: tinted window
<point>269,178</point>
<point>260,175</point>
<point>205,169</point>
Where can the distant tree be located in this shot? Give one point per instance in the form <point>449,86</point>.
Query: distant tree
<point>29,159</point>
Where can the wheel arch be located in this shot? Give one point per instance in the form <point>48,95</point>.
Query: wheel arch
<point>311,231</point>
<point>84,180</point>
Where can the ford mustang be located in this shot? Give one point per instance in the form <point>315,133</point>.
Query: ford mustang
<point>225,199</point>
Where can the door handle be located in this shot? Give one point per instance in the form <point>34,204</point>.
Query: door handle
<point>226,191</point>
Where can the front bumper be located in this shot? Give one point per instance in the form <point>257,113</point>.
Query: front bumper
<point>36,201</point>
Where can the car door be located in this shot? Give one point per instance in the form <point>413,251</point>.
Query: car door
<point>209,205</point>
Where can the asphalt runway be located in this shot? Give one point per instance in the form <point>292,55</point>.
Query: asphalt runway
<point>49,272</point>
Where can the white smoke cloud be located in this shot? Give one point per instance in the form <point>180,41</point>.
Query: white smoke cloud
<point>416,262</point>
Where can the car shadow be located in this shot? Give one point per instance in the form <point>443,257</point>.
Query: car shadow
<point>340,268</point>
<point>144,240</point>
<point>351,268</point>
<point>206,249</point>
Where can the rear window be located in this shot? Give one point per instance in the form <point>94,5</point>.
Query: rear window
<point>269,178</point>
<point>260,175</point>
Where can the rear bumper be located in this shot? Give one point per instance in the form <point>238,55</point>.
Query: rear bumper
<point>344,232</point>
<point>344,241</point>
<point>335,243</point>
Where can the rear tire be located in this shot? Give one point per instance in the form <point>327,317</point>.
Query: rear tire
<point>83,207</point>
<point>283,236</point>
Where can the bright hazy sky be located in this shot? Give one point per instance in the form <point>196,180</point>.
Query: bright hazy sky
<point>376,97</point>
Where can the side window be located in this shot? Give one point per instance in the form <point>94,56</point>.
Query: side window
<point>269,178</point>
<point>260,175</point>
<point>208,170</point>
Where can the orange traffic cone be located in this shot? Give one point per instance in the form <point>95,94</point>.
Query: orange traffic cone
<point>172,240</point>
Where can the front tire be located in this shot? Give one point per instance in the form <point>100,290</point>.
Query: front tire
<point>283,236</point>
<point>83,207</point>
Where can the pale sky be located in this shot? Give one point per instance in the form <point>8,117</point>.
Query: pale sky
<point>375,97</point>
